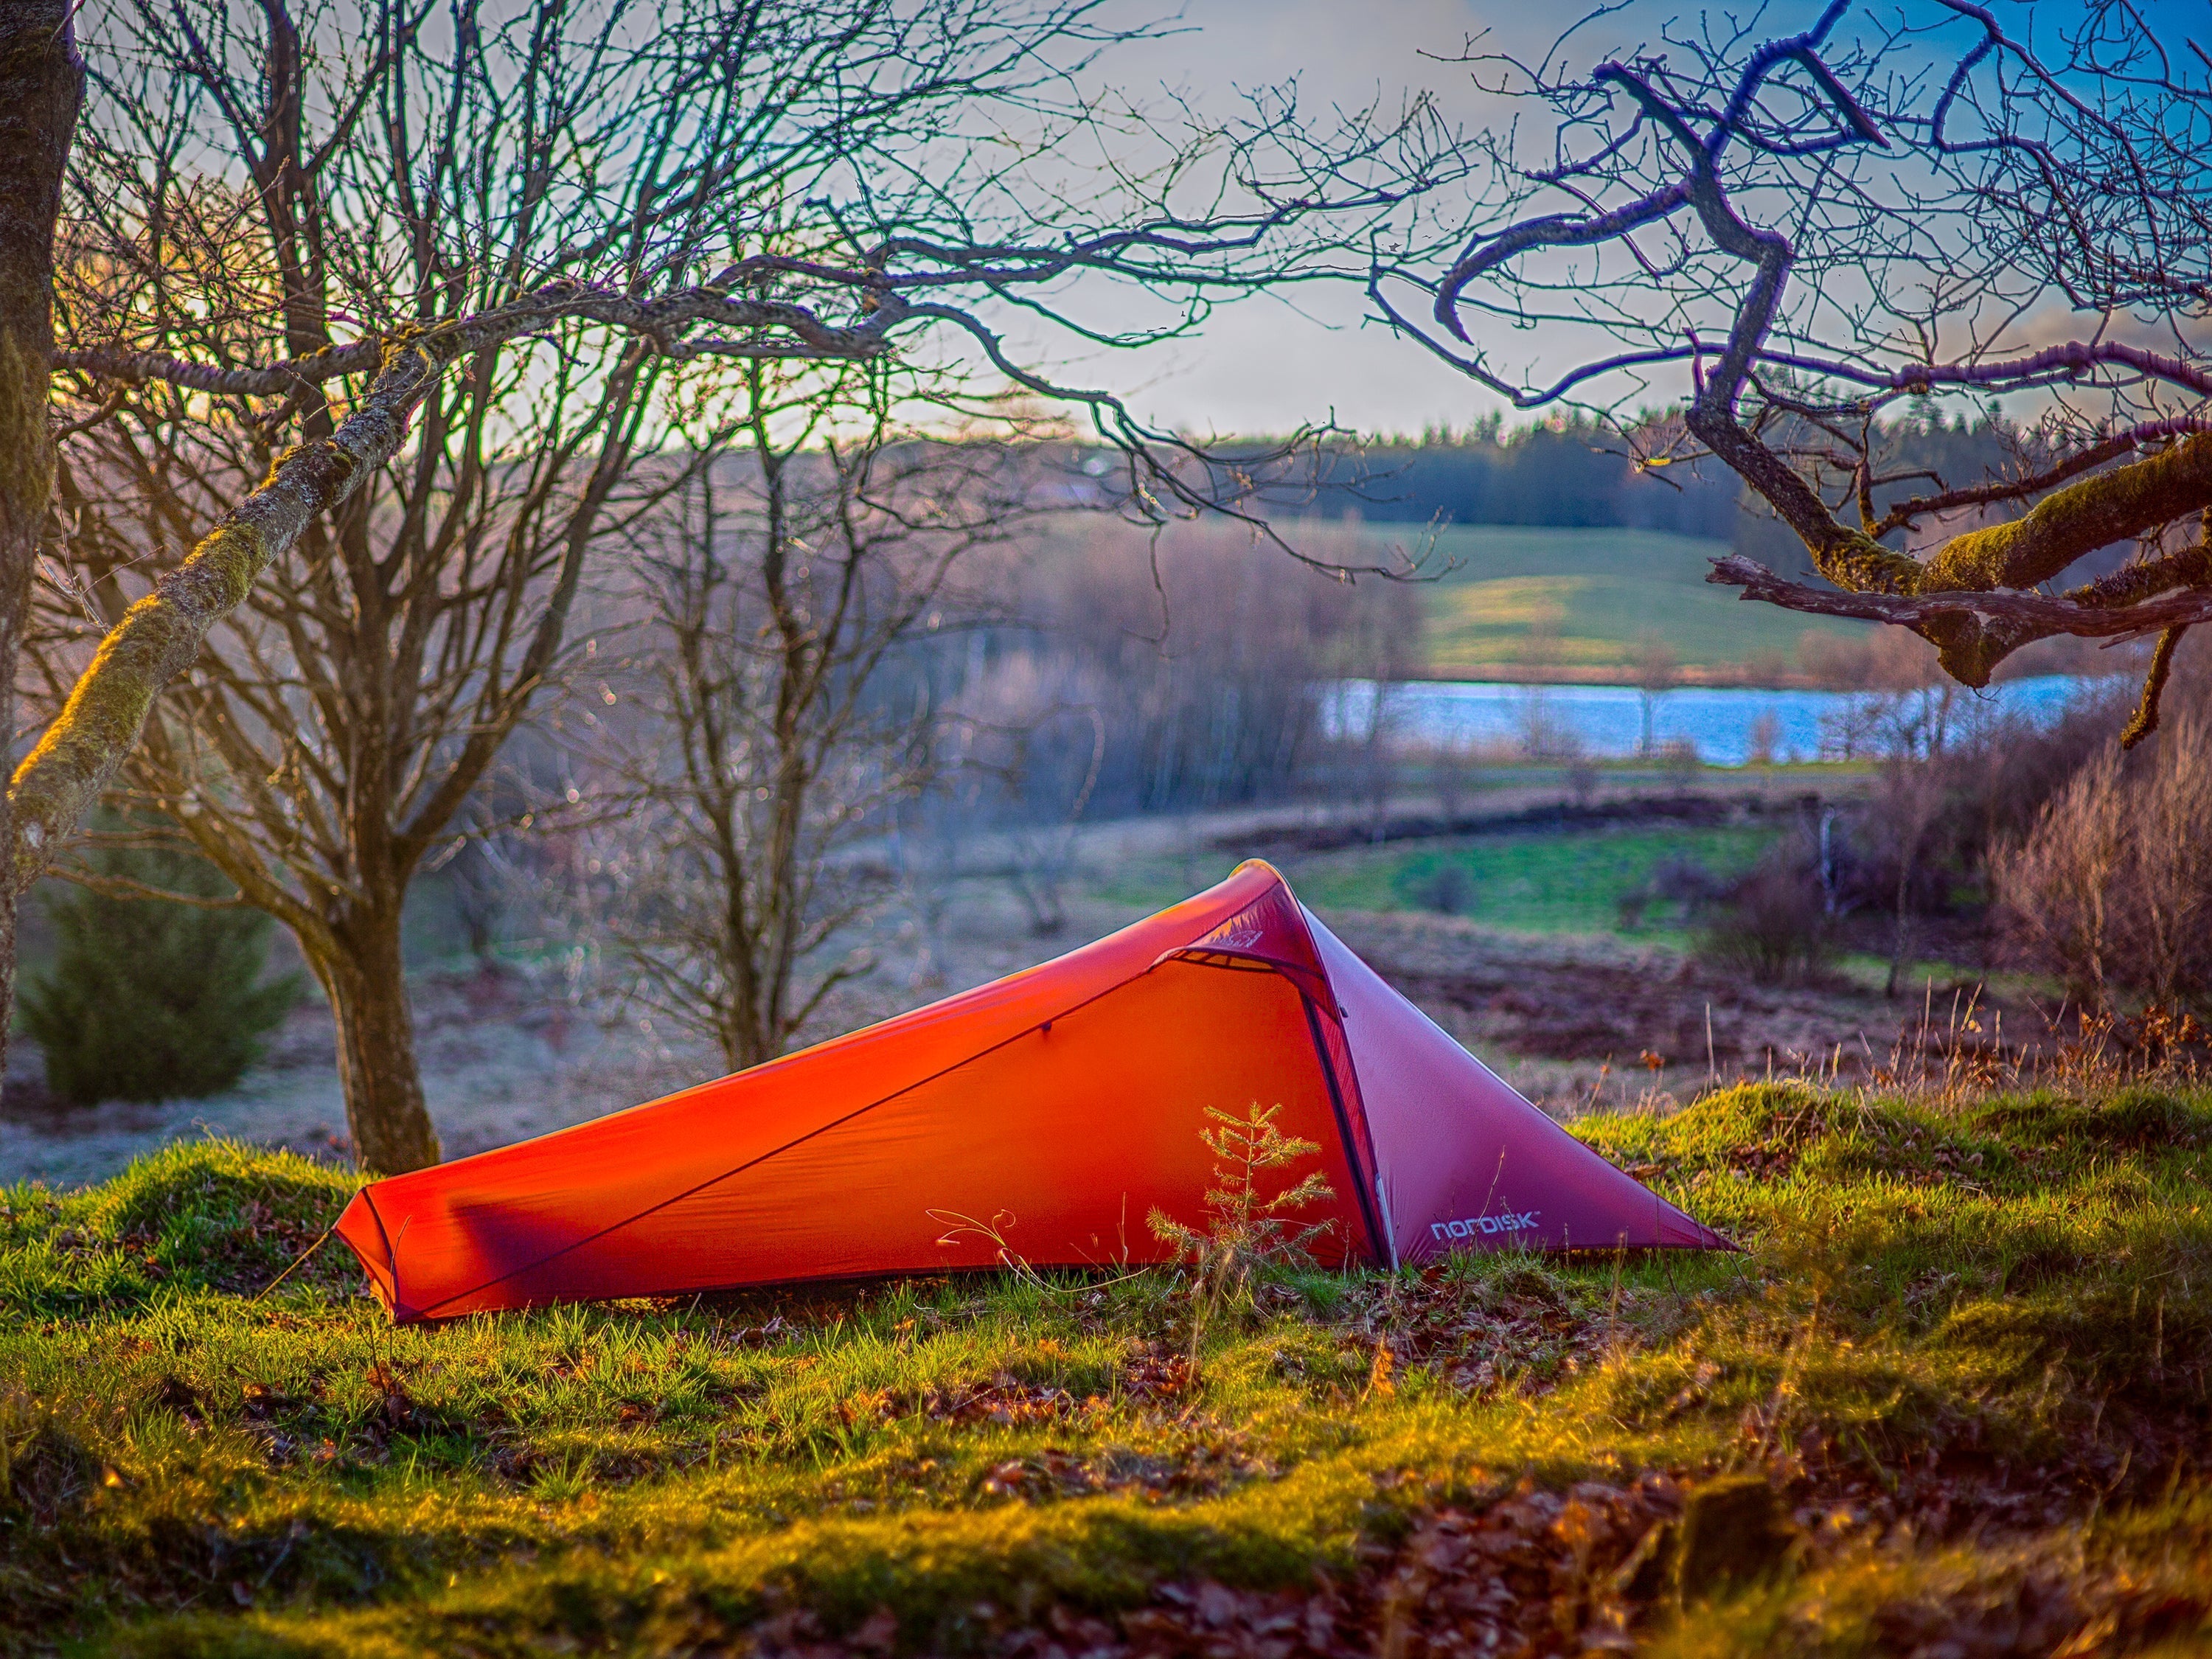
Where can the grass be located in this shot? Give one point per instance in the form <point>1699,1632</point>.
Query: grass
<point>1596,595</point>
<point>1954,1392</point>
<point>1533,884</point>
<point>1549,882</point>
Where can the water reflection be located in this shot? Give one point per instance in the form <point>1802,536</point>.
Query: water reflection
<point>1725,726</point>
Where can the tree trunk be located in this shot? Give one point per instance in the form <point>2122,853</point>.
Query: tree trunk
<point>41,86</point>
<point>367,985</point>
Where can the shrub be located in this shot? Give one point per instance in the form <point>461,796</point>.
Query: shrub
<point>1444,887</point>
<point>1765,739</point>
<point>2112,885</point>
<point>1773,924</point>
<point>152,999</point>
<point>1686,882</point>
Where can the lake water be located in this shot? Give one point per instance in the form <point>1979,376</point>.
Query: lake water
<point>1725,725</point>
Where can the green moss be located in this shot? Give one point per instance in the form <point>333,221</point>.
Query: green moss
<point>2097,510</point>
<point>2141,1118</point>
<point>195,1216</point>
<point>1860,564</point>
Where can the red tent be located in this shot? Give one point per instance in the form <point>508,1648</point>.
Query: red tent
<point>1066,1101</point>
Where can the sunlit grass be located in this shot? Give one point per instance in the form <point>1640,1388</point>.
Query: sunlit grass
<point>1999,1293</point>
<point>1598,593</point>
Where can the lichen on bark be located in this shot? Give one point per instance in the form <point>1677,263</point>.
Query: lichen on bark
<point>157,639</point>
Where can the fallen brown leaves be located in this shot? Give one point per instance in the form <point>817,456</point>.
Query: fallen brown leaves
<point>1534,1573</point>
<point>1530,1574</point>
<point>1150,1376</point>
<point>1514,1333</point>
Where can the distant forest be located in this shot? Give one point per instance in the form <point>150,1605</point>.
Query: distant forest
<point>1576,474</point>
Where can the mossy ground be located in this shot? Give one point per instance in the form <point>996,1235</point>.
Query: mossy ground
<point>1954,1393</point>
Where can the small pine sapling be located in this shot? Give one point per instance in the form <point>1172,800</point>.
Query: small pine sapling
<point>156,989</point>
<point>1245,1234</point>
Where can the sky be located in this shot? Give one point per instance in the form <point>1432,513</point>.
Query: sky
<point>1264,365</point>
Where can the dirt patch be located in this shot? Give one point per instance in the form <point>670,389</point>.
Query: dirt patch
<point>1646,1012</point>
<point>1569,1010</point>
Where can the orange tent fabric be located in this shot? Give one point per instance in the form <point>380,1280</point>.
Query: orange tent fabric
<point>1057,1106</point>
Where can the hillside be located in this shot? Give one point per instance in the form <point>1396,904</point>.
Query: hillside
<point>1496,601</point>
<point>1951,1400</point>
<point>1523,602</point>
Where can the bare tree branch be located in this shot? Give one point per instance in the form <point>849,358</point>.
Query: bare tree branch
<point>1849,220</point>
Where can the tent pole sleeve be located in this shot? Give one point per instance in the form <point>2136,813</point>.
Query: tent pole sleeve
<point>1378,1243</point>
<point>391,1251</point>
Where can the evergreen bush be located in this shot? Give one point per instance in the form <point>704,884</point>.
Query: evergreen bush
<point>151,998</point>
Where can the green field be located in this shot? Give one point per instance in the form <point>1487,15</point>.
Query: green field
<point>1558,883</point>
<point>1953,1401</point>
<point>1503,601</point>
<point>1517,599</point>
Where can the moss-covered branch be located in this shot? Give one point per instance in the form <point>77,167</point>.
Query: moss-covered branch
<point>1974,631</point>
<point>2093,513</point>
<point>1968,600</point>
<point>118,366</point>
<point>158,636</point>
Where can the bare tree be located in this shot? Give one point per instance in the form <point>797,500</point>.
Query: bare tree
<point>405,292</point>
<point>2173,862</point>
<point>1041,857</point>
<point>780,705</point>
<point>41,86</point>
<point>1816,231</point>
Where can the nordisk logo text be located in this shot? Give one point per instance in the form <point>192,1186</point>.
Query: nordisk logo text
<point>1508,1223</point>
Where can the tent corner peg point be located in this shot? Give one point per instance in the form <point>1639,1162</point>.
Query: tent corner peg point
<point>1069,1096</point>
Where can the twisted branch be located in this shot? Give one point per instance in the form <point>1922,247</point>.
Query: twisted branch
<point>1972,596</point>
